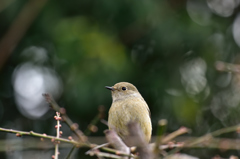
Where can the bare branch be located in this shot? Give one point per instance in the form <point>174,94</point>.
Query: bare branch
<point>227,67</point>
<point>73,126</point>
<point>137,138</point>
<point>31,133</point>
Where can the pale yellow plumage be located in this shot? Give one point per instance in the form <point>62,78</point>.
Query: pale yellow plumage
<point>128,105</point>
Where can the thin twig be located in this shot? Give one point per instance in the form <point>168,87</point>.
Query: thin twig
<point>70,153</point>
<point>76,143</point>
<point>206,138</point>
<point>34,143</point>
<point>104,122</point>
<point>102,154</point>
<point>213,134</point>
<point>137,138</point>
<point>180,131</point>
<point>227,67</point>
<point>31,133</point>
<point>162,124</point>
<point>73,126</point>
<point>100,146</point>
<point>116,141</point>
<point>57,117</point>
<point>92,126</point>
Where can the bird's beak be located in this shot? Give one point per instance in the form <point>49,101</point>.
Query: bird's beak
<point>110,88</point>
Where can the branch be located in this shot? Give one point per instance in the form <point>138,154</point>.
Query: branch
<point>162,125</point>
<point>137,138</point>
<point>102,154</point>
<point>53,138</point>
<point>34,143</point>
<point>92,126</point>
<point>116,142</point>
<point>227,67</point>
<point>68,121</point>
<point>180,131</point>
<point>206,138</point>
<point>213,134</point>
<point>58,118</point>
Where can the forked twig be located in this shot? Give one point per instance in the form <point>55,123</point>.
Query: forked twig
<point>73,126</point>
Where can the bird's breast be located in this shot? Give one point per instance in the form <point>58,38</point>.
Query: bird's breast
<point>131,109</point>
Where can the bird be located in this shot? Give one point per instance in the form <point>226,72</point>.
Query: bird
<point>128,106</point>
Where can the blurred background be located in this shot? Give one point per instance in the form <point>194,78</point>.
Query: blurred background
<point>72,49</point>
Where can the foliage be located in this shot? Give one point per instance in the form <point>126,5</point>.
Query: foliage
<point>167,49</point>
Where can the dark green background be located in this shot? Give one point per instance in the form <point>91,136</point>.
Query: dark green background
<point>149,43</point>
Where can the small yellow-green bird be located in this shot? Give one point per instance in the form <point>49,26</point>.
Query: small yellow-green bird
<point>128,106</point>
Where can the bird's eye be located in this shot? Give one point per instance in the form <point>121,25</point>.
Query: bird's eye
<point>124,88</point>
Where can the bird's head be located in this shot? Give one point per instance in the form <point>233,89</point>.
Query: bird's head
<point>123,90</point>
